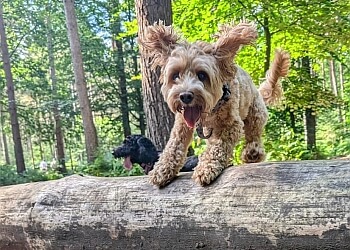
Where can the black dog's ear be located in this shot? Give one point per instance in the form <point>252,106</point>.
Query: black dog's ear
<point>145,142</point>
<point>147,150</point>
<point>114,153</point>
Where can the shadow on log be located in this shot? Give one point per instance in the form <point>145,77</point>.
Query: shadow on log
<point>289,205</point>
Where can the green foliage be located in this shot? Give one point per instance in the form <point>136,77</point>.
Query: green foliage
<point>9,176</point>
<point>105,165</point>
<point>290,146</point>
<point>199,145</point>
<point>303,91</point>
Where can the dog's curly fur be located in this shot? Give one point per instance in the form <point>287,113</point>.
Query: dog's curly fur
<point>193,77</point>
<point>138,149</point>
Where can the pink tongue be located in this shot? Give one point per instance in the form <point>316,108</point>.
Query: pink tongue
<point>127,163</point>
<point>191,115</point>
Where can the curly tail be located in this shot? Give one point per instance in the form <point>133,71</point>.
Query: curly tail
<point>271,89</point>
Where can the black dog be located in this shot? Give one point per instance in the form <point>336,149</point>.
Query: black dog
<point>141,150</point>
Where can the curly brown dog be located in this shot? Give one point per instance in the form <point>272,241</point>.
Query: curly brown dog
<point>208,92</point>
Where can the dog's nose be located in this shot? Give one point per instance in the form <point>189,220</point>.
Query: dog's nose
<point>186,97</point>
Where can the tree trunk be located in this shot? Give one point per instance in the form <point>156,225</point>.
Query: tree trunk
<point>289,205</point>
<point>40,140</point>
<point>139,99</point>
<point>11,97</point>
<point>56,113</point>
<point>90,132</point>
<point>324,79</point>
<point>30,148</point>
<point>4,137</point>
<point>310,127</point>
<point>268,45</point>
<point>119,58</point>
<point>159,118</point>
<point>334,84</point>
<point>135,69</point>
<point>333,77</point>
<point>310,117</point>
<point>341,80</point>
<point>342,117</point>
<point>292,121</point>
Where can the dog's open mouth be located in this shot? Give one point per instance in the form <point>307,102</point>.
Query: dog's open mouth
<point>127,163</point>
<point>191,115</point>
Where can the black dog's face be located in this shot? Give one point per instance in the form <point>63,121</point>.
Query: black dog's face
<point>137,149</point>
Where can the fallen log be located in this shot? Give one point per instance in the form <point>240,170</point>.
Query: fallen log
<point>287,205</point>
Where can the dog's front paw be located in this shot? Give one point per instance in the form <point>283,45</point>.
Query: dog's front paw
<point>253,152</point>
<point>204,174</point>
<point>161,175</point>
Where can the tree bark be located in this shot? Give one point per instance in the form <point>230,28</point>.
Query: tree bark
<point>289,205</point>
<point>159,118</point>
<point>30,149</point>
<point>4,137</point>
<point>334,84</point>
<point>310,129</point>
<point>59,150</point>
<point>16,134</point>
<point>90,133</point>
<point>342,117</point>
<point>333,77</point>
<point>133,52</point>
<point>119,58</point>
<point>268,37</point>
<point>138,90</point>
<point>310,117</point>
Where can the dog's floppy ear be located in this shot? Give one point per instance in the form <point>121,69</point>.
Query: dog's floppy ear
<point>158,41</point>
<point>231,38</point>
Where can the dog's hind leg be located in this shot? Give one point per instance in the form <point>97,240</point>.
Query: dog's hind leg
<point>173,157</point>
<point>253,128</point>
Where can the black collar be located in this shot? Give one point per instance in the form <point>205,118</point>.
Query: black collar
<point>225,97</point>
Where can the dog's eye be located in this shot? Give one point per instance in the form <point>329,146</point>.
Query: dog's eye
<point>202,76</point>
<point>176,75</point>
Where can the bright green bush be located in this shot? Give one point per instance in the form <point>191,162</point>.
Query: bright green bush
<point>9,176</point>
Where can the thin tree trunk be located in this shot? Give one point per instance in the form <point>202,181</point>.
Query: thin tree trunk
<point>11,97</point>
<point>323,69</point>
<point>90,133</point>
<point>1,134</point>
<point>333,77</point>
<point>139,99</point>
<point>341,80</point>
<point>119,58</point>
<point>41,151</point>
<point>310,118</point>
<point>6,149</point>
<point>138,91</point>
<point>56,113</point>
<point>310,125</point>
<point>3,137</point>
<point>334,84</point>
<point>341,90</point>
<point>30,146</point>
<point>292,121</point>
<point>71,159</point>
<point>159,118</point>
<point>268,45</point>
